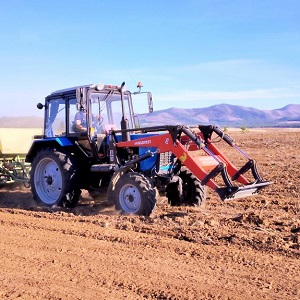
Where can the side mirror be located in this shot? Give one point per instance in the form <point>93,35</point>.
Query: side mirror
<point>40,105</point>
<point>150,103</point>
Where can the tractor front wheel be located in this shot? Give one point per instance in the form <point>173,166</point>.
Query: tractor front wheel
<point>53,179</point>
<point>134,194</point>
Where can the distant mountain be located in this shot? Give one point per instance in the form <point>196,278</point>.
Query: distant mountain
<point>222,115</point>
<point>226,115</point>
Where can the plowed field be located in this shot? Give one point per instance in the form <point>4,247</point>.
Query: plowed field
<point>243,249</point>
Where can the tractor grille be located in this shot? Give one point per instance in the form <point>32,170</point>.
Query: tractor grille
<point>166,159</point>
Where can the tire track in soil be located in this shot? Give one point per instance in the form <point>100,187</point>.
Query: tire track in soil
<point>120,240</point>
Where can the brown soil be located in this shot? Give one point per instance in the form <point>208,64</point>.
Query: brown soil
<point>243,249</point>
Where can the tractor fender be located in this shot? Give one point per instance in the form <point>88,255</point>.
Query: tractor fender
<point>53,142</point>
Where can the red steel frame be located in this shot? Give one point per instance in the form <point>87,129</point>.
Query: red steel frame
<point>164,143</point>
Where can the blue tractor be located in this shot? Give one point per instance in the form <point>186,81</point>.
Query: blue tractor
<point>93,140</point>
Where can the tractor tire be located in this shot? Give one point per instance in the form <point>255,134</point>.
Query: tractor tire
<point>134,194</point>
<point>193,192</point>
<point>54,179</point>
<point>174,191</point>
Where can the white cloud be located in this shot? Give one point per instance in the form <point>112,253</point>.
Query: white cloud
<point>181,95</point>
<point>217,65</point>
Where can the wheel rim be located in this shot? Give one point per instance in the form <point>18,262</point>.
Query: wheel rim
<point>48,181</point>
<point>130,198</point>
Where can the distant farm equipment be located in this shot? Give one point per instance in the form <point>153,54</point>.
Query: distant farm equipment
<point>14,145</point>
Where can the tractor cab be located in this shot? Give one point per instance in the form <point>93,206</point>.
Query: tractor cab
<point>90,110</point>
<point>85,115</point>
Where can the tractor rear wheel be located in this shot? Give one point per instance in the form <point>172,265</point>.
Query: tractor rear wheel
<point>134,194</point>
<point>54,179</point>
<point>193,192</point>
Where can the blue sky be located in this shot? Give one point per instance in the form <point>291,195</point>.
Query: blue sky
<point>193,53</point>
